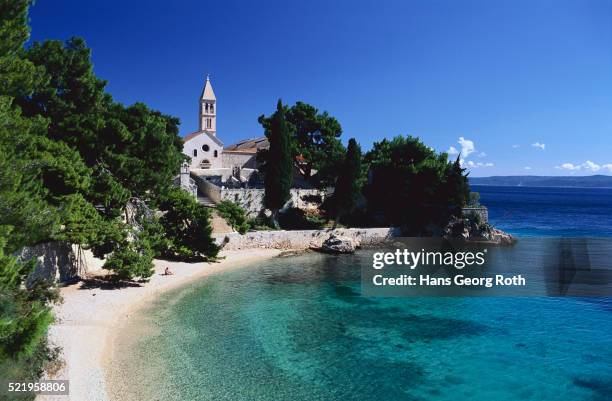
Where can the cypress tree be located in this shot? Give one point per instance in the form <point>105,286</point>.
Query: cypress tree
<point>348,185</point>
<point>278,167</point>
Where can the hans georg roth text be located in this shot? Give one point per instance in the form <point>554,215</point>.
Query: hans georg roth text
<point>458,260</point>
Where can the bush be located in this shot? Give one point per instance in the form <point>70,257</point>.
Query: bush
<point>235,216</point>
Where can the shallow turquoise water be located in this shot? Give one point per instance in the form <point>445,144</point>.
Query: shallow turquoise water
<point>298,329</point>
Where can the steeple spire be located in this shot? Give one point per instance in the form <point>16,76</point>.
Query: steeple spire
<point>208,108</point>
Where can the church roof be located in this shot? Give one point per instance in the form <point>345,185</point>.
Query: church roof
<point>248,145</point>
<point>207,92</point>
<point>189,137</point>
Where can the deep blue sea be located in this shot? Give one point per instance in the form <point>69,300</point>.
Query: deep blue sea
<point>298,328</point>
<point>549,212</point>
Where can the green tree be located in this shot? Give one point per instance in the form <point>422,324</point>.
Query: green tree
<point>187,226</point>
<point>316,149</point>
<point>234,215</point>
<point>132,259</point>
<point>278,168</point>
<point>411,186</point>
<point>348,185</point>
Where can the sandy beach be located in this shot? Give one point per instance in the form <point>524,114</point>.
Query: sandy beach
<point>86,319</point>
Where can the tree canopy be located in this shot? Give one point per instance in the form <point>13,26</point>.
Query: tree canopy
<point>315,146</point>
<point>412,186</point>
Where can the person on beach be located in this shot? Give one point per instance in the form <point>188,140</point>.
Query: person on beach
<point>168,272</point>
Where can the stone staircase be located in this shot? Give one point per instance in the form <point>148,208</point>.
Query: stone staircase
<point>205,200</point>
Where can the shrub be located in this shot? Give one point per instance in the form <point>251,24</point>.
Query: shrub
<point>235,216</point>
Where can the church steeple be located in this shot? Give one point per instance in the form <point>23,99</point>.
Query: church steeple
<point>208,109</point>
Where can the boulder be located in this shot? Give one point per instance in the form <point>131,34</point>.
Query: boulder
<point>338,244</point>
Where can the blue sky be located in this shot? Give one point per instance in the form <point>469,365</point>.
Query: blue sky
<point>522,87</point>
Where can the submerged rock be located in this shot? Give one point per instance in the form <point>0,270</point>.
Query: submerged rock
<point>338,244</point>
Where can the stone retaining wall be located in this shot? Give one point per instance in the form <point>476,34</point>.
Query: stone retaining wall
<point>301,239</point>
<point>251,199</point>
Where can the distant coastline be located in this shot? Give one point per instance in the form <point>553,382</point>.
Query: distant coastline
<point>592,181</point>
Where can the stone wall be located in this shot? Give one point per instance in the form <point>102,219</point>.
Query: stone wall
<point>301,239</point>
<point>480,211</point>
<point>59,262</point>
<point>251,199</point>
<point>239,159</point>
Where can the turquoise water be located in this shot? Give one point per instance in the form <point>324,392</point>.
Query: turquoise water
<point>298,329</point>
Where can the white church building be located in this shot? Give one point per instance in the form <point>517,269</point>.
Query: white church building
<point>209,158</point>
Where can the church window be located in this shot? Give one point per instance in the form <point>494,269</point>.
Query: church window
<point>195,153</point>
<point>212,108</point>
<point>208,123</point>
<point>216,153</point>
<point>205,148</point>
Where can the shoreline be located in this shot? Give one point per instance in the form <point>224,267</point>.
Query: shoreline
<point>88,320</point>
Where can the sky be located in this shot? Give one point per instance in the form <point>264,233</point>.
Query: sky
<point>517,87</point>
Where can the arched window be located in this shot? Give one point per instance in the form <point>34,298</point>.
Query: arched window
<point>195,153</point>
<point>212,108</point>
<point>215,153</point>
<point>205,148</point>
<point>208,123</point>
<point>206,107</point>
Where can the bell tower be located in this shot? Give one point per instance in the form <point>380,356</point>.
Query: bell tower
<point>208,109</point>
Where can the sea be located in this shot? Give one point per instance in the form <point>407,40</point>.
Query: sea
<point>298,328</point>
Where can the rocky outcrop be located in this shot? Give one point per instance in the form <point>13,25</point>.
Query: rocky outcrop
<point>339,244</point>
<point>469,230</point>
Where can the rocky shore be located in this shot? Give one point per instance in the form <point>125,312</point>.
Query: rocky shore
<point>473,231</point>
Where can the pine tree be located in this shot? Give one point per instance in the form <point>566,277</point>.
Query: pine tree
<point>278,167</point>
<point>348,185</point>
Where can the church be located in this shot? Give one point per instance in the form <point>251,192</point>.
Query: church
<point>210,159</point>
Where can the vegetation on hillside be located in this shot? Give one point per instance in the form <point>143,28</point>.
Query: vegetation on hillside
<point>80,168</point>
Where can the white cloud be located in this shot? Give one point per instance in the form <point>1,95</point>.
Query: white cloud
<point>452,151</point>
<point>539,145</point>
<point>472,164</point>
<point>589,165</point>
<point>482,154</point>
<point>516,146</point>
<point>586,166</point>
<point>467,146</point>
<point>568,166</point>
<point>527,168</point>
